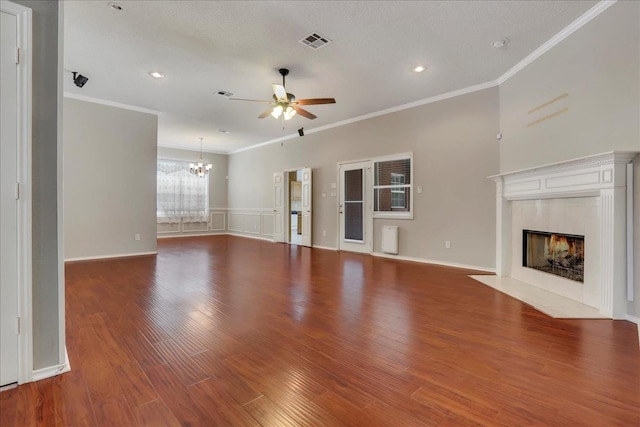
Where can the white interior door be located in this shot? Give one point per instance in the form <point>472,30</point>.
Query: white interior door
<point>278,207</point>
<point>356,216</point>
<point>306,210</point>
<point>8,201</point>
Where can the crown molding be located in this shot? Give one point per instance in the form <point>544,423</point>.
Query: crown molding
<point>441,97</point>
<point>553,41</point>
<point>110,103</point>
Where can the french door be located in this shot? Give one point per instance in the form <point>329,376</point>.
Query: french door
<point>355,207</point>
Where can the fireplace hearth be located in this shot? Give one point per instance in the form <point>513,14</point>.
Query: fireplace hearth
<point>555,253</point>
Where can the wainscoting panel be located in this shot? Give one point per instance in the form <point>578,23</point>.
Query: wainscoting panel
<point>267,224</point>
<point>190,227</point>
<point>256,223</point>
<point>252,223</point>
<point>218,221</point>
<point>236,221</point>
<point>168,228</point>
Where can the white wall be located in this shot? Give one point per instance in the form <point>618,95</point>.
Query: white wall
<point>110,158</point>
<point>454,148</point>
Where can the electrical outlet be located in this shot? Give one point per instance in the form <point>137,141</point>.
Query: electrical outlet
<point>419,189</point>
<point>447,244</point>
<point>136,236</point>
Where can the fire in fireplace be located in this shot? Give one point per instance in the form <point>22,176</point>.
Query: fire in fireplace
<point>555,253</point>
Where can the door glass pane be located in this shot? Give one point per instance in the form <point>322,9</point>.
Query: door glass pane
<point>353,221</point>
<point>353,185</point>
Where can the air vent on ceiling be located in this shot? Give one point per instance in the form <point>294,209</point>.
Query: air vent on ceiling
<point>315,41</point>
<point>224,93</point>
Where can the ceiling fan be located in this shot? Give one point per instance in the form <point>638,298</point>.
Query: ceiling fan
<point>285,104</point>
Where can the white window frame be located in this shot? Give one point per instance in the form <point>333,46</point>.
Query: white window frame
<point>391,214</point>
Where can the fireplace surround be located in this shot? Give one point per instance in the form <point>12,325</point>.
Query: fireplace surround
<point>582,197</point>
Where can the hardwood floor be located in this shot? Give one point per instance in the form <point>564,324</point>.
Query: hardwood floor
<point>230,331</point>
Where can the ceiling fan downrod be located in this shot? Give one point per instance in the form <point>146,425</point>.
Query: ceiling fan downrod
<point>284,72</point>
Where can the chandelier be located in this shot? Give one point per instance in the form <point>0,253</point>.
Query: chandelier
<point>200,168</point>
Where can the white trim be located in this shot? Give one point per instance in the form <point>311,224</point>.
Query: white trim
<point>62,346</point>
<point>553,41</point>
<point>328,248</point>
<point>96,257</point>
<point>52,371</point>
<point>430,100</point>
<point>634,319</point>
<point>170,236</point>
<point>111,103</point>
<point>432,261</point>
<point>24,18</point>
<point>250,237</point>
<point>630,225</point>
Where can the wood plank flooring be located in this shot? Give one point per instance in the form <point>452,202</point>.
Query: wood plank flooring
<point>230,331</point>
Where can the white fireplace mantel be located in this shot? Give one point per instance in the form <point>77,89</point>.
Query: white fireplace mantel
<point>604,176</point>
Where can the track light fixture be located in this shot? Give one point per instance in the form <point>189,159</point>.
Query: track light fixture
<point>301,131</point>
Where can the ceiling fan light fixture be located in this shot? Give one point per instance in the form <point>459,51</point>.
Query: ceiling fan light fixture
<point>289,113</point>
<point>277,111</point>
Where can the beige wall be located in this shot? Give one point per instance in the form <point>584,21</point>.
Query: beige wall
<point>454,147</point>
<point>110,180</point>
<point>217,176</point>
<point>598,67</point>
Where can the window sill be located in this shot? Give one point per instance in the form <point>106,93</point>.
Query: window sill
<point>392,215</point>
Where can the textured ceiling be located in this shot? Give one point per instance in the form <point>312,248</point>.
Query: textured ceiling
<point>238,46</point>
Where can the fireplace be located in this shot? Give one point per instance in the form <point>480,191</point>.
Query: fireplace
<point>581,197</point>
<point>554,253</point>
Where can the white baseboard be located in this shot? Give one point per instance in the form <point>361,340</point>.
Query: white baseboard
<point>89,258</point>
<point>205,233</point>
<point>328,248</point>
<point>632,318</point>
<point>52,371</point>
<point>431,261</point>
<point>267,239</point>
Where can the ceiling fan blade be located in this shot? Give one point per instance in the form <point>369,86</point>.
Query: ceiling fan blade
<point>265,114</point>
<point>280,92</point>
<point>250,100</point>
<point>315,101</point>
<point>304,113</point>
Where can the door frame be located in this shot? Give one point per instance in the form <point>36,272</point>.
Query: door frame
<point>286,204</point>
<point>368,212</point>
<point>25,347</point>
<point>286,219</point>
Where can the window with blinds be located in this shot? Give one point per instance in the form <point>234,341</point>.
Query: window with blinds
<point>392,187</point>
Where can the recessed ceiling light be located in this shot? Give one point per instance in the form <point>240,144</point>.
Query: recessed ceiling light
<point>156,74</point>
<point>498,44</point>
<point>224,131</point>
<point>419,69</point>
<point>116,6</point>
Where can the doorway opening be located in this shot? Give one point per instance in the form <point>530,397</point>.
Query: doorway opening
<point>292,202</point>
<point>294,179</point>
